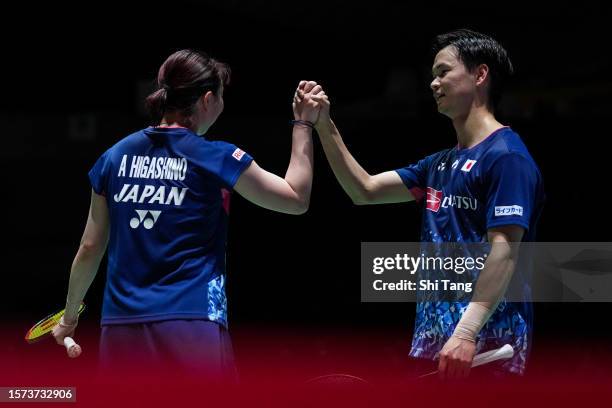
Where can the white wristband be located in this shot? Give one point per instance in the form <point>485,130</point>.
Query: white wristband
<point>65,325</point>
<point>474,317</point>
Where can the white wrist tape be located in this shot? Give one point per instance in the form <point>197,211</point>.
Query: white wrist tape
<point>474,317</point>
<point>62,323</point>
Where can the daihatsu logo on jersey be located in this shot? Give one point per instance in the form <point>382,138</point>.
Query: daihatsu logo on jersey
<point>435,200</point>
<point>464,203</point>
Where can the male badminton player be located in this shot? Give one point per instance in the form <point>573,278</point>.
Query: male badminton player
<point>487,188</point>
<point>160,203</point>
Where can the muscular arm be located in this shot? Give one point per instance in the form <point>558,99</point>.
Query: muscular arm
<point>457,354</point>
<point>499,266</point>
<point>291,194</point>
<point>88,257</point>
<point>363,188</point>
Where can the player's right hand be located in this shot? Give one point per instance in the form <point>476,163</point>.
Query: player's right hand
<point>323,100</point>
<point>456,358</point>
<point>304,107</point>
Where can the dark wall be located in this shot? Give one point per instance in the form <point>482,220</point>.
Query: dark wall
<point>73,81</point>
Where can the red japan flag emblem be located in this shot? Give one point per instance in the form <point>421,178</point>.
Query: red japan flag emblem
<point>468,165</point>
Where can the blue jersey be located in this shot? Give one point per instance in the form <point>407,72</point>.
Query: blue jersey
<point>465,193</point>
<point>168,196</point>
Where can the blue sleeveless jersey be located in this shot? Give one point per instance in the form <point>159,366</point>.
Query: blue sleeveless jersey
<point>168,196</point>
<point>465,192</point>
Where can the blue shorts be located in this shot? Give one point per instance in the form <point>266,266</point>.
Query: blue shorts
<point>189,347</point>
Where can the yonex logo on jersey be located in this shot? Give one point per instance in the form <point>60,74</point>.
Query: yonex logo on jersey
<point>468,165</point>
<point>442,166</point>
<point>501,211</point>
<point>238,154</point>
<point>147,221</point>
<point>434,199</point>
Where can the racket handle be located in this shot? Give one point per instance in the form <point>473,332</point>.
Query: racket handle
<point>503,353</point>
<point>73,349</point>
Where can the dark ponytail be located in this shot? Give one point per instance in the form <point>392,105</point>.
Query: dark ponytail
<point>182,79</point>
<point>155,105</point>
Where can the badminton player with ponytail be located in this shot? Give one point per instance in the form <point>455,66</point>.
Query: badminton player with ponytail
<point>160,205</point>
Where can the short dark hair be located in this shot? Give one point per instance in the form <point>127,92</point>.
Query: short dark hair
<point>182,79</point>
<point>475,48</point>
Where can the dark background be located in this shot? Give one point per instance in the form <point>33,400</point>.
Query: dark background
<point>73,82</point>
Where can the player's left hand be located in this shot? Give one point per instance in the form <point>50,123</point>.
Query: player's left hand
<point>64,329</point>
<point>456,358</point>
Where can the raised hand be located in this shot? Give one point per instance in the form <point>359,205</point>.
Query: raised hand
<point>324,107</point>
<point>304,106</point>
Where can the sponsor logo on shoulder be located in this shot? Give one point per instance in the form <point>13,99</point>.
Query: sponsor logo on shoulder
<point>501,211</point>
<point>238,154</point>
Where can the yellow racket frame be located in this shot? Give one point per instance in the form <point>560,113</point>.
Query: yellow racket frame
<point>44,327</point>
